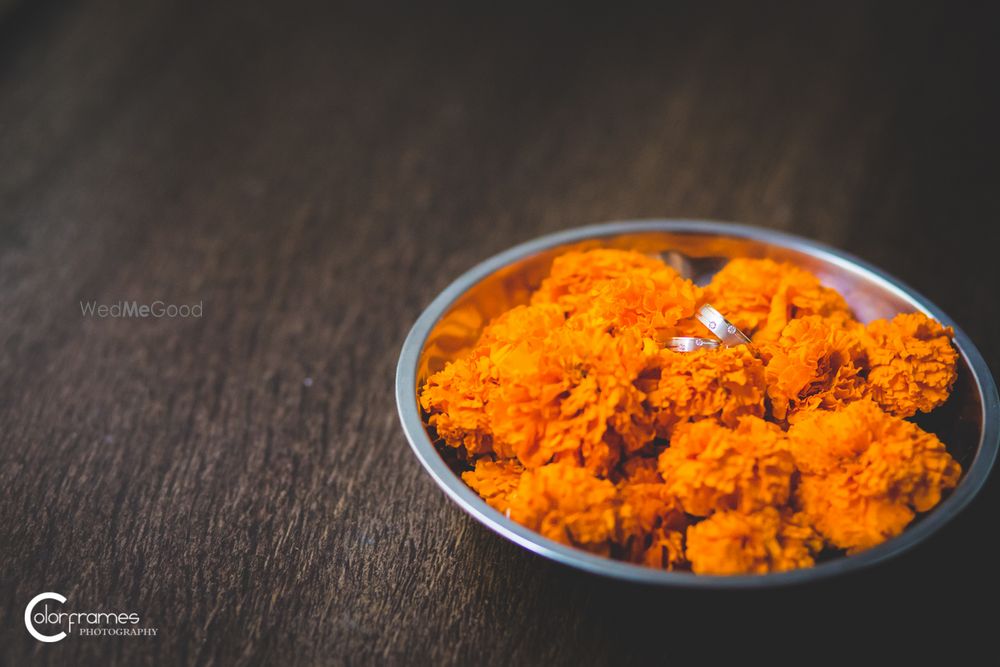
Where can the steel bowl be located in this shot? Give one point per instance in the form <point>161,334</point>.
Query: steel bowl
<point>968,423</point>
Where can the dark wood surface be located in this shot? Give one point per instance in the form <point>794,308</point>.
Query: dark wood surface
<point>314,176</point>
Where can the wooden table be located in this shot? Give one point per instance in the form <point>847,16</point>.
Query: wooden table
<point>313,176</point>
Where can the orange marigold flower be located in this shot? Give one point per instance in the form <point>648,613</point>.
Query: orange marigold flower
<point>690,326</point>
<point>456,397</point>
<point>710,467</point>
<point>645,507</point>
<point>761,294</point>
<point>815,363</point>
<point>574,397</point>
<point>651,524</point>
<point>768,540</point>
<point>724,383</point>
<point>865,472</point>
<point>650,303</point>
<point>574,275</point>
<point>524,326</point>
<point>567,504</point>
<point>494,481</point>
<point>912,363</point>
<point>846,518</point>
<point>617,289</point>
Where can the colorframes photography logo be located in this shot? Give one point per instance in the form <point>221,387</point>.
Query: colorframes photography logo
<point>48,619</point>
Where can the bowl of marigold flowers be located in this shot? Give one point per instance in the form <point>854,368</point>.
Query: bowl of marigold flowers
<point>697,404</point>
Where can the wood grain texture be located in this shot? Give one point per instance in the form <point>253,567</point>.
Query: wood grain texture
<point>315,175</point>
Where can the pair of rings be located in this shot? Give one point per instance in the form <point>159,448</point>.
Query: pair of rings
<point>726,333</point>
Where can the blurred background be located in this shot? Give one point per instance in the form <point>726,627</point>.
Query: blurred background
<point>314,173</point>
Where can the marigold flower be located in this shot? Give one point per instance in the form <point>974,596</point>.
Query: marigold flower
<point>865,472</point>
<point>574,397</point>
<point>764,295</point>
<point>911,361</point>
<point>768,540</point>
<point>846,518</point>
<point>710,467</point>
<point>574,275</point>
<point>724,383</point>
<point>567,504</point>
<point>815,363</point>
<point>652,303</point>
<point>572,505</point>
<point>494,481</point>
<point>456,397</point>
<point>651,525</point>
<point>644,507</point>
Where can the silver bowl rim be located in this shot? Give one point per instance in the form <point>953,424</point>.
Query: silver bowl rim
<point>413,423</point>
